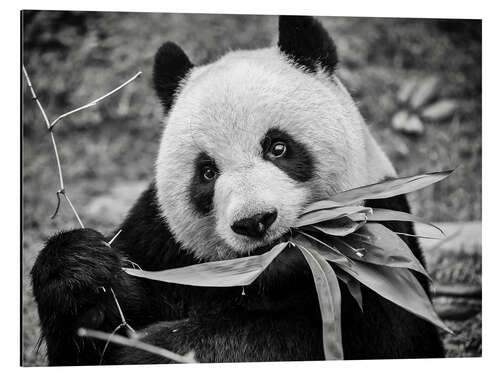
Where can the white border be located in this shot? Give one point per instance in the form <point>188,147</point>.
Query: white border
<point>422,8</point>
<point>354,8</point>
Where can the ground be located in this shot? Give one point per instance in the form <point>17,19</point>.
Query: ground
<point>75,57</point>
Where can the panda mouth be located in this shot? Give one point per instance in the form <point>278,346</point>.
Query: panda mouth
<point>264,249</point>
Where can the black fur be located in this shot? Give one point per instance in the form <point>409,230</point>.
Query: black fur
<point>71,280</point>
<point>170,67</point>
<point>277,319</point>
<point>201,192</point>
<point>304,40</point>
<point>297,163</point>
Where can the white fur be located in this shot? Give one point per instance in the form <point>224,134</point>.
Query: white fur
<point>252,189</point>
<point>224,109</point>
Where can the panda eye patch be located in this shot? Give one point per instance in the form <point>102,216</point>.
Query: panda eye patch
<point>201,190</point>
<point>288,154</point>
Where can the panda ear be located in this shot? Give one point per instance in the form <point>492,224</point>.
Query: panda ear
<point>170,67</point>
<point>304,40</point>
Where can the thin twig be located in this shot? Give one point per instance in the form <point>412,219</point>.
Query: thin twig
<point>35,98</point>
<point>58,161</point>
<point>61,190</point>
<point>108,341</point>
<point>50,127</point>
<point>95,101</point>
<point>122,316</point>
<point>134,343</point>
<point>122,324</point>
<point>72,208</point>
<point>114,237</point>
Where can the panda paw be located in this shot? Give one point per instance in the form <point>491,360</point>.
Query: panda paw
<point>71,275</point>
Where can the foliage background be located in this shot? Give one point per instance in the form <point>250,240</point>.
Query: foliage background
<point>74,57</point>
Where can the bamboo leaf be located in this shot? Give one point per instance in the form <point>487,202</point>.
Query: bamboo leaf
<point>347,235</point>
<point>399,286</point>
<point>418,236</point>
<point>224,273</point>
<point>358,217</point>
<point>380,246</point>
<point>329,298</point>
<point>339,227</point>
<point>390,188</point>
<point>318,216</point>
<point>381,190</point>
<point>353,286</point>
<point>382,214</point>
<point>328,252</point>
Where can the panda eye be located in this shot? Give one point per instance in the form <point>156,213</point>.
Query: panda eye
<point>277,149</point>
<point>208,173</point>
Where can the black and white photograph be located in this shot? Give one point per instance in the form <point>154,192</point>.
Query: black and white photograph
<point>207,188</point>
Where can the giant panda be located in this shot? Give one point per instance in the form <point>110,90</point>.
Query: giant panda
<point>249,141</point>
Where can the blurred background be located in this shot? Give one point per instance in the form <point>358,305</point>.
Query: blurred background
<point>417,83</point>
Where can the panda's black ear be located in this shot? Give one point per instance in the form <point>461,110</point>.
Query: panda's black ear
<point>170,67</point>
<point>304,40</point>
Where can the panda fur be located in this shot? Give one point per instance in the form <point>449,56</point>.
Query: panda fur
<point>222,117</point>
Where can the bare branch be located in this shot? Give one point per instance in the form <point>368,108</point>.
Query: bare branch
<point>58,161</point>
<point>61,190</point>
<point>135,343</point>
<point>50,127</point>
<point>95,101</point>
<point>72,208</point>
<point>35,98</point>
<point>122,317</point>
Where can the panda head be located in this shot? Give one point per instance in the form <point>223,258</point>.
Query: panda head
<point>255,136</point>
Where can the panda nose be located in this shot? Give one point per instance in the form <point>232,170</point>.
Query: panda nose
<point>255,226</point>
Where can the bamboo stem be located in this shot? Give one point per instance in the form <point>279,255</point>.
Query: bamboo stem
<point>134,343</point>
